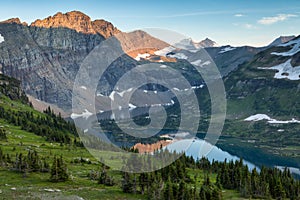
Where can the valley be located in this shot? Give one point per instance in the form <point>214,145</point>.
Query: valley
<point>66,133</point>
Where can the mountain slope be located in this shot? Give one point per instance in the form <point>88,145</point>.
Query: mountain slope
<point>266,92</point>
<point>46,56</point>
<point>281,40</point>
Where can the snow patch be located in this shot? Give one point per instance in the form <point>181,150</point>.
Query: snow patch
<point>144,56</point>
<point>130,89</point>
<point>86,114</point>
<point>122,93</point>
<point>259,117</point>
<point>226,49</point>
<point>197,62</point>
<point>112,95</point>
<point>163,66</point>
<point>205,63</point>
<point>197,87</point>
<point>285,70</point>
<point>293,51</point>
<point>200,64</point>
<point>164,51</point>
<point>293,121</point>
<point>179,56</point>
<point>131,106</point>
<point>52,190</point>
<point>1,39</point>
<point>289,43</point>
<point>83,87</point>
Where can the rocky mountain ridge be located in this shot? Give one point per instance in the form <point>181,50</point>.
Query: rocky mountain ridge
<point>47,54</point>
<point>78,21</point>
<point>281,40</point>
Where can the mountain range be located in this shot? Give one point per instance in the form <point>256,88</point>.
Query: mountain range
<point>46,56</point>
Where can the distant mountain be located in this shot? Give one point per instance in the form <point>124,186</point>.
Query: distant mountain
<point>281,40</point>
<point>226,58</point>
<point>206,43</point>
<point>191,45</point>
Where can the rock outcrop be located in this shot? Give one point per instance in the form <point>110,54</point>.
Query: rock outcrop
<point>79,22</point>
<point>47,55</point>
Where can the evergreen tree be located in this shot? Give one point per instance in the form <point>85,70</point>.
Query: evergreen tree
<point>58,170</point>
<point>127,183</point>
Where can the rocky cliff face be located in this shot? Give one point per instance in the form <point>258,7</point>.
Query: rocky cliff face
<point>46,55</point>
<point>45,60</point>
<point>79,22</point>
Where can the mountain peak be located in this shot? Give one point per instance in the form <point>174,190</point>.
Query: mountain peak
<point>79,22</point>
<point>281,40</point>
<point>14,21</point>
<point>190,44</point>
<point>207,43</point>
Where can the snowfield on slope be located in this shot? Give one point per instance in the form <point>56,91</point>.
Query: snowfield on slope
<point>144,56</point>
<point>259,117</point>
<point>293,51</point>
<point>226,49</point>
<point>164,51</point>
<point>1,39</point>
<point>86,114</point>
<point>285,70</point>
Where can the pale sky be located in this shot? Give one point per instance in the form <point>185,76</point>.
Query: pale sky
<point>234,22</point>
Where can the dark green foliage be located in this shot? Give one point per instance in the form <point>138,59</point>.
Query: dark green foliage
<point>268,183</point>
<point>127,183</point>
<point>11,88</point>
<point>58,170</point>
<point>30,163</point>
<point>3,134</point>
<point>52,127</point>
<point>105,179</point>
<point>171,182</point>
<point>209,191</point>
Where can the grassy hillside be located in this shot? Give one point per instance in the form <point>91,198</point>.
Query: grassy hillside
<point>23,182</point>
<point>42,158</point>
<point>253,90</point>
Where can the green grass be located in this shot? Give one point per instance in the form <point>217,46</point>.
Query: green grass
<point>33,185</point>
<point>79,185</point>
<point>14,185</point>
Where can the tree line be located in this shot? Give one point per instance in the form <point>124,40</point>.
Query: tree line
<point>51,126</point>
<point>32,162</point>
<point>174,181</point>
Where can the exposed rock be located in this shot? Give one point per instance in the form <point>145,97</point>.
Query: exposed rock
<point>14,21</point>
<point>105,28</point>
<point>149,148</point>
<point>281,40</point>
<point>46,56</point>
<point>79,22</point>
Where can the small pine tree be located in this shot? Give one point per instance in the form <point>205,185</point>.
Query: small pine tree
<point>58,170</point>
